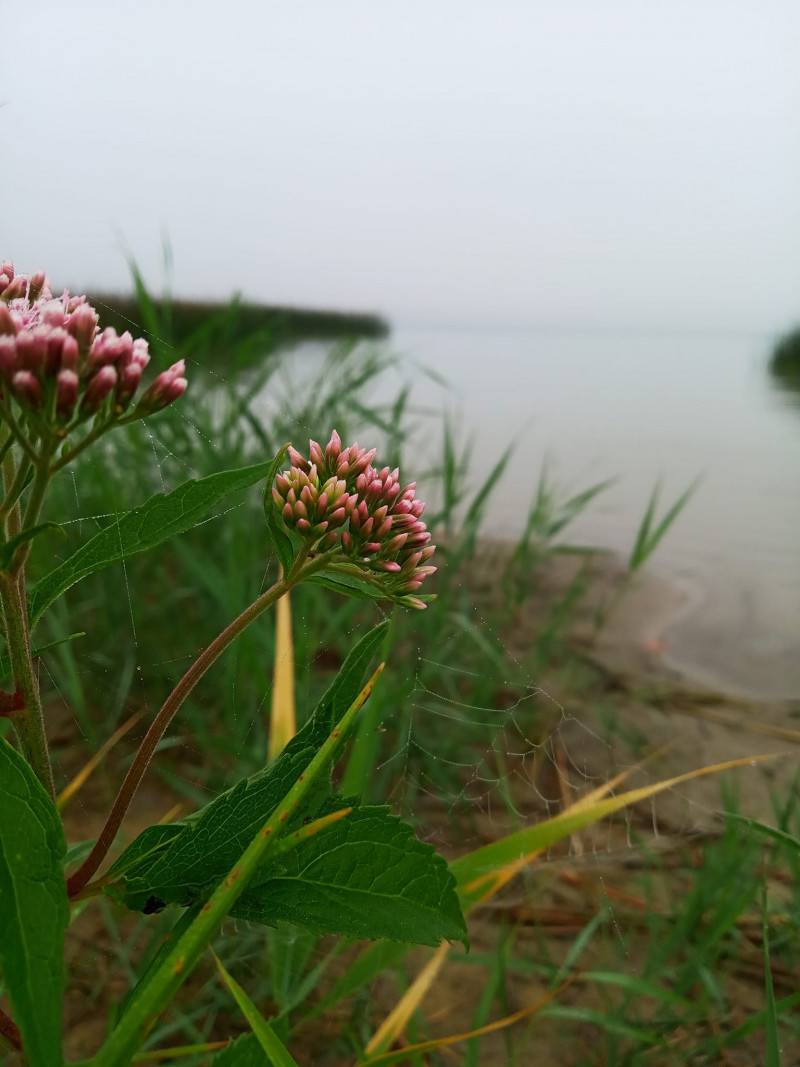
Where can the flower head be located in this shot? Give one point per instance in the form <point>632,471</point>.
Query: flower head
<point>339,503</point>
<point>61,371</point>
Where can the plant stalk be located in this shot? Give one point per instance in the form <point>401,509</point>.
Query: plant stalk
<point>29,724</point>
<point>299,571</point>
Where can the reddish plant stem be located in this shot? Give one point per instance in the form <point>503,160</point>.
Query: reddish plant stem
<point>9,1030</point>
<point>80,878</point>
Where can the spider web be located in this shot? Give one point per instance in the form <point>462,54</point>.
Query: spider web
<point>476,745</point>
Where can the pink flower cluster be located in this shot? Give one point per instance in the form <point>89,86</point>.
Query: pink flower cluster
<point>338,500</point>
<point>56,364</point>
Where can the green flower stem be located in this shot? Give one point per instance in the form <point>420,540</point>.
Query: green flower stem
<point>185,952</point>
<point>11,515</point>
<point>17,432</point>
<point>29,724</point>
<point>300,570</point>
<point>15,489</point>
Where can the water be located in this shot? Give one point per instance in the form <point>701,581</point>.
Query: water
<point>642,407</point>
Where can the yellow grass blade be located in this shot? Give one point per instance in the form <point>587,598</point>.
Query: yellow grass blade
<point>397,1020</point>
<point>483,873</point>
<point>69,791</point>
<point>283,724</point>
<point>443,1042</point>
<point>173,813</point>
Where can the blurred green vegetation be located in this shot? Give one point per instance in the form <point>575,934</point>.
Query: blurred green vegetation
<point>784,363</point>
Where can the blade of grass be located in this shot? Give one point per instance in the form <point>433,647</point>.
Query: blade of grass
<point>283,720</point>
<point>69,790</point>
<point>444,1042</point>
<point>772,1047</point>
<point>267,1038</point>
<point>397,1019</point>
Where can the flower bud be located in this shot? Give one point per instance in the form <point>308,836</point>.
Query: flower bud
<point>98,389</point>
<point>69,353</point>
<point>127,385</point>
<point>82,324</point>
<point>27,388</point>
<point>66,393</point>
<point>16,288</point>
<point>168,386</point>
<point>31,350</point>
<point>36,285</point>
<point>140,355</point>
<point>7,325</point>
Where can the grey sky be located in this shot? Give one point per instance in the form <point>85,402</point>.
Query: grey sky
<point>629,163</point>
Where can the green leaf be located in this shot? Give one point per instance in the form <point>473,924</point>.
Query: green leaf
<point>178,863</point>
<point>159,518</point>
<point>275,527</point>
<point>364,876</point>
<point>34,912</point>
<point>244,1052</point>
<point>275,1049</point>
<point>10,547</point>
<point>184,953</point>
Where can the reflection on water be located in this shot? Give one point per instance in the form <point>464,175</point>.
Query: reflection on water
<point>642,407</point>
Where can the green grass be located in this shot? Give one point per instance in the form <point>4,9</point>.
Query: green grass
<point>444,737</point>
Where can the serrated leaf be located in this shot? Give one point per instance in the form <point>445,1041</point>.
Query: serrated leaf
<point>244,1052</point>
<point>34,912</point>
<point>177,863</point>
<point>275,528</point>
<point>159,518</point>
<point>364,876</point>
<point>184,953</point>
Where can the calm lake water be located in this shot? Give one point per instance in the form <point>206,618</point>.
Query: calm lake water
<point>640,407</point>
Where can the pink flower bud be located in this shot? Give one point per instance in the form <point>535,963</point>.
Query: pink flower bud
<point>298,461</point>
<point>27,388</point>
<point>82,324</point>
<point>54,341</point>
<point>168,386</point>
<point>31,350</point>
<point>36,285</point>
<point>69,353</point>
<point>415,602</point>
<point>16,288</point>
<point>140,353</point>
<point>98,389</point>
<point>388,565</point>
<point>315,454</point>
<point>7,269</point>
<point>8,327</point>
<point>129,379</point>
<point>66,392</point>
<point>333,449</point>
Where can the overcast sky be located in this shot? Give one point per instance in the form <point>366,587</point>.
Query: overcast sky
<point>618,163</point>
